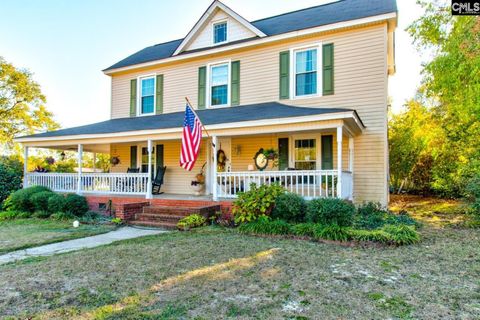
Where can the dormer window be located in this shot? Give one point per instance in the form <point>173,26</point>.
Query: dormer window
<point>220,32</point>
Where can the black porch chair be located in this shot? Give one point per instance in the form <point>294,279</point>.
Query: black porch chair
<point>133,170</point>
<point>158,181</point>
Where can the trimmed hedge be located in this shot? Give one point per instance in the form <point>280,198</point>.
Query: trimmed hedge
<point>290,207</point>
<point>57,203</point>
<point>330,211</point>
<point>264,225</point>
<point>21,200</point>
<point>40,200</point>
<point>76,204</point>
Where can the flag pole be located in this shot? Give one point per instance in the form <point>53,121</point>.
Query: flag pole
<point>193,110</point>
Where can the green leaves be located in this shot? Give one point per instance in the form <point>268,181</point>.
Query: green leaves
<point>22,109</point>
<point>255,203</point>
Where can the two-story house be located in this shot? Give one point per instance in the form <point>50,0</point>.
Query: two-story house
<point>308,87</point>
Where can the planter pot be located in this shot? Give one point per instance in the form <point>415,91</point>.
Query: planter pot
<point>198,189</point>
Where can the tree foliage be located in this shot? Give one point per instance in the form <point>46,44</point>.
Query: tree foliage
<point>22,109</point>
<point>441,128</point>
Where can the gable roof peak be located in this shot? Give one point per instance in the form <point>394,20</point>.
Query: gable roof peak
<point>211,10</point>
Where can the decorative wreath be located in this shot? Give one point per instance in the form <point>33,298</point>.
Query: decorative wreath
<point>221,159</point>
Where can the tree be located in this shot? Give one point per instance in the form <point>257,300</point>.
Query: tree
<point>22,109</point>
<point>11,172</point>
<point>451,88</point>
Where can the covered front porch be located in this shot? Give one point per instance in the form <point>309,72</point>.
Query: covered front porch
<point>312,156</point>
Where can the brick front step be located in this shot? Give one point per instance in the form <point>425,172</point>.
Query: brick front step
<point>181,210</point>
<point>158,217</point>
<point>163,225</point>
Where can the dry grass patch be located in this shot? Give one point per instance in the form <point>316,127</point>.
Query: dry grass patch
<point>25,233</point>
<point>217,274</point>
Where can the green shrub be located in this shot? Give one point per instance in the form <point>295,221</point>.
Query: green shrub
<point>40,200</point>
<point>9,215</point>
<point>370,235</point>
<point>290,207</point>
<point>370,216</point>
<point>11,173</point>
<point>401,234</point>
<point>191,221</point>
<point>255,203</point>
<point>62,216</point>
<point>76,204</point>
<point>56,203</point>
<point>403,218</point>
<point>117,221</point>
<point>473,193</point>
<point>264,225</point>
<point>21,200</point>
<point>41,214</point>
<point>330,211</point>
<point>90,217</point>
<point>333,232</point>
<point>305,229</point>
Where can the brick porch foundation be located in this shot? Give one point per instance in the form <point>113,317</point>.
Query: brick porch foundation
<point>126,208</point>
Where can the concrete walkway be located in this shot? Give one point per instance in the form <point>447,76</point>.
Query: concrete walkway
<point>78,244</point>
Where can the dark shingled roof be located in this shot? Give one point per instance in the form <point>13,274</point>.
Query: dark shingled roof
<point>339,11</point>
<point>262,111</point>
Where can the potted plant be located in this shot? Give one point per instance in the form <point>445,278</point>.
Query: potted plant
<point>198,185</point>
<point>271,154</point>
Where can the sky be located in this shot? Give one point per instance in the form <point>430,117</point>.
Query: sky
<point>66,44</point>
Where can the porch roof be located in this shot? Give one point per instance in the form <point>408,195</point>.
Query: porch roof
<point>220,116</point>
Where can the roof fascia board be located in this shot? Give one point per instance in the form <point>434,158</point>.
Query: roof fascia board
<point>211,9</point>
<point>211,128</point>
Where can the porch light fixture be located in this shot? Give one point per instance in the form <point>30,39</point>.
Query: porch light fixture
<point>62,155</point>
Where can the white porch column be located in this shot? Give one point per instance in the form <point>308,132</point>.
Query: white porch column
<point>214,171</point>
<point>80,165</point>
<point>339,161</point>
<point>350,156</point>
<point>149,179</point>
<point>25,167</point>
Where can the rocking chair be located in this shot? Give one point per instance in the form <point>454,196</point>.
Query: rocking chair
<point>158,181</point>
<point>133,170</point>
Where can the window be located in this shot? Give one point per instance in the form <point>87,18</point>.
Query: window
<point>147,95</point>
<point>219,77</point>
<point>305,154</point>
<point>306,72</point>
<point>144,160</point>
<point>219,32</point>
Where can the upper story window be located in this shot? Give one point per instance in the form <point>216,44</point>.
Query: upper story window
<point>306,72</point>
<point>219,76</point>
<point>220,32</point>
<point>147,95</point>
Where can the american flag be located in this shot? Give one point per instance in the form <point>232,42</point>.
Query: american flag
<point>191,138</point>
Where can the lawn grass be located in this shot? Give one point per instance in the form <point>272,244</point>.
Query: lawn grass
<point>26,233</point>
<point>218,274</point>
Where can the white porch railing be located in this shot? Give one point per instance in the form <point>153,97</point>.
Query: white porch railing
<point>111,183</point>
<point>307,183</point>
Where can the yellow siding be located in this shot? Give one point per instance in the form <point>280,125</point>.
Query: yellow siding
<point>360,84</point>
<point>176,180</point>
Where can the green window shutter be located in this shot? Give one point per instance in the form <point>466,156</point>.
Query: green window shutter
<point>133,97</point>
<point>282,153</point>
<point>285,75</point>
<point>235,90</point>
<point>159,97</point>
<point>159,156</point>
<point>133,156</point>
<point>327,152</point>
<point>328,69</point>
<point>202,87</point>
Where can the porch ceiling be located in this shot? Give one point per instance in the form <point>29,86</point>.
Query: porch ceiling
<point>219,120</point>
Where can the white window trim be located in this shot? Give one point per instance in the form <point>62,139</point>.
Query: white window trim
<point>293,77</point>
<point>214,23</point>
<point>318,140</point>
<point>209,89</point>
<point>139,94</point>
